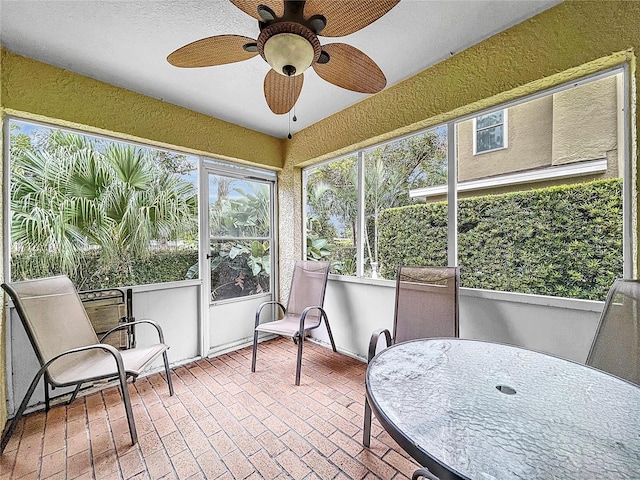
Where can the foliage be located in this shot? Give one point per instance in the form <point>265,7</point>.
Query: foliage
<point>318,248</point>
<point>240,210</point>
<point>71,194</point>
<point>390,171</point>
<point>166,265</point>
<point>239,267</point>
<point>332,199</point>
<point>344,258</point>
<point>560,241</point>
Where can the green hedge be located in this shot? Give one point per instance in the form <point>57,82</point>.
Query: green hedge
<point>159,267</point>
<point>562,241</point>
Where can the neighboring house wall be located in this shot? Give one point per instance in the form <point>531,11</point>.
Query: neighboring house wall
<point>529,134</point>
<point>585,122</point>
<point>571,126</point>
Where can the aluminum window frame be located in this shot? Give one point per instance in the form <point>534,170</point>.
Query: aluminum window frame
<point>628,173</point>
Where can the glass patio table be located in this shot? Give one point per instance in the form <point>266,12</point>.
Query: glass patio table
<point>468,409</point>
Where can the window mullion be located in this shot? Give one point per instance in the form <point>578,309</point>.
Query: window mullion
<point>361,216</point>
<point>452,196</point>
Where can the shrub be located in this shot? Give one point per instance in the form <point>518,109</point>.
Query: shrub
<point>160,266</point>
<point>562,241</point>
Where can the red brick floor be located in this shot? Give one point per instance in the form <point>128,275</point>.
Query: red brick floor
<point>222,423</point>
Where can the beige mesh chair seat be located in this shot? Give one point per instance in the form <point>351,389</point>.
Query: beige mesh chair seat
<point>67,347</point>
<point>304,310</point>
<point>426,307</point>
<point>616,344</point>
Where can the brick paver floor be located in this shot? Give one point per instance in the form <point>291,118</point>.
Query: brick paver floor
<point>223,422</point>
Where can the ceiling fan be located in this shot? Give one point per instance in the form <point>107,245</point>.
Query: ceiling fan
<point>288,42</point>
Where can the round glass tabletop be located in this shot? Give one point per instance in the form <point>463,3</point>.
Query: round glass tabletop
<point>491,411</point>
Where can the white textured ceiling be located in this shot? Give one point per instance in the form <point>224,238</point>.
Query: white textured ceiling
<point>126,42</point>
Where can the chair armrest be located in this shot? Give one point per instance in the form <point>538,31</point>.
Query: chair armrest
<point>303,316</point>
<point>373,343</point>
<point>135,322</point>
<point>264,304</point>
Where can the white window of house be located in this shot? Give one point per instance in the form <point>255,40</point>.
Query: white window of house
<point>490,132</point>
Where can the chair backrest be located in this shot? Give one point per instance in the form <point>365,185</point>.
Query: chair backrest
<point>616,344</point>
<point>54,318</point>
<point>308,286</point>
<point>426,303</point>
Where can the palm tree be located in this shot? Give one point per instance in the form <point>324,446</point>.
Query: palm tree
<point>70,193</point>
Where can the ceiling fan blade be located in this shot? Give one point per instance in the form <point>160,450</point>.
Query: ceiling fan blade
<point>282,92</point>
<point>250,7</point>
<point>210,51</point>
<point>345,17</point>
<point>350,68</point>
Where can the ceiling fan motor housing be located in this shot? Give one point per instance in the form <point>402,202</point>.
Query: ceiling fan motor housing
<point>289,47</point>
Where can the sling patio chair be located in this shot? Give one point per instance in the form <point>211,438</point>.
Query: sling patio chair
<point>304,311</point>
<point>616,344</point>
<point>426,307</point>
<point>68,348</point>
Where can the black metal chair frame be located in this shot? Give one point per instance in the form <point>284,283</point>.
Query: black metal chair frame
<point>122,374</point>
<point>299,334</point>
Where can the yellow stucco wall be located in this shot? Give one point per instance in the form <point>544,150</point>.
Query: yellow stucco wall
<point>39,91</point>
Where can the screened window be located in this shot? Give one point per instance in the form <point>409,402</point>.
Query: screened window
<point>332,214</point>
<point>538,233</point>
<point>490,131</point>
<point>547,216</point>
<point>104,212</point>
<point>239,236</point>
<point>344,226</point>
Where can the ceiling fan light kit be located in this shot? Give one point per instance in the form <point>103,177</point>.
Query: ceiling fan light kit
<point>289,43</point>
<point>288,54</point>
<point>288,47</point>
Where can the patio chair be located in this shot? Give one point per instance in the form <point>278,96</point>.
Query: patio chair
<point>426,307</point>
<point>616,344</point>
<point>67,347</point>
<point>304,311</point>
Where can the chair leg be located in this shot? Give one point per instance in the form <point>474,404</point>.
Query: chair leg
<point>255,351</point>
<point>127,407</point>
<point>366,429</point>
<point>333,344</point>
<point>47,404</point>
<point>75,394</point>
<point>299,361</point>
<point>166,369</point>
<point>6,435</point>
